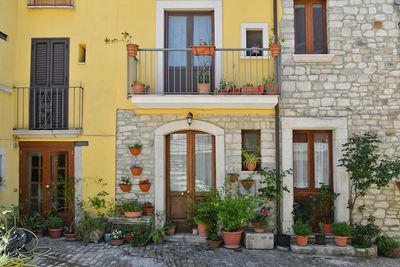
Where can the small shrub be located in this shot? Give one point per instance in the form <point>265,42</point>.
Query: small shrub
<point>341,229</point>
<point>301,229</point>
<point>132,206</point>
<point>235,212</point>
<point>86,226</point>
<point>386,245</point>
<point>55,222</point>
<point>363,235</point>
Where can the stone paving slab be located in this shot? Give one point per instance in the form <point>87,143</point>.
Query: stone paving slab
<point>76,254</point>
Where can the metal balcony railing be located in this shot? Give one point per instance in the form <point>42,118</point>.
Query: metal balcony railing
<point>50,3</point>
<point>181,71</point>
<point>48,108</point>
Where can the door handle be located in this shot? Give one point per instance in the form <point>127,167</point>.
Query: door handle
<point>47,186</point>
<point>188,193</point>
<point>182,193</point>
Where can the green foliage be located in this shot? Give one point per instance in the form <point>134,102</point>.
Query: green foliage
<point>271,183</point>
<point>140,238</point>
<point>304,209</point>
<point>324,204</point>
<point>99,202</point>
<point>366,166</point>
<point>363,235</point>
<point>250,157</point>
<point>86,225</point>
<point>261,216</point>
<point>301,229</point>
<point>203,74</point>
<point>209,208</point>
<point>236,211</point>
<point>34,222</point>
<point>117,234</point>
<point>269,80</point>
<point>124,180</point>
<point>341,229</point>
<point>169,223</point>
<point>386,245</point>
<point>157,234</point>
<point>132,206</point>
<point>55,222</point>
<point>136,145</point>
<point>125,38</point>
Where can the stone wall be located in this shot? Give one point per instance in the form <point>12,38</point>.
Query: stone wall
<point>133,128</point>
<point>362,83</point>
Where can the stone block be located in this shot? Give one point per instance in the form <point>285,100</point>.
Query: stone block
<point>258,240</point>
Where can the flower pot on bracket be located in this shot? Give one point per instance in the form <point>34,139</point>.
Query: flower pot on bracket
<point>136,171</point>
<point>144,187</point>
<point>125,188</point>
<point>275,49</point>
<point>247,184</point>
<point>132,49</point>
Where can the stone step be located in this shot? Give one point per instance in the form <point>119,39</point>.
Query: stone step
<point>186,238</point>
<point>333,250</point>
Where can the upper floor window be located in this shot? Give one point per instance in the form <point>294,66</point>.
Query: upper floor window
<point>254,36</point>
<point>310,26</point>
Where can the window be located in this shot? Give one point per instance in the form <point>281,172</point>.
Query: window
<point>251,142</point>
<point>254,35</point>
<point>82,53</point>
<point>3,36</point>
<point>310,26</point>
<point>312,159</point>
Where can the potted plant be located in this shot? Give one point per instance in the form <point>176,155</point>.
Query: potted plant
<point>275,47</point>
<point>157,234</point>
<point>342,231</point>
<point>213,239</point>
<point>200,216</point>
<point>325,207</point>
<point>233,177</point>
<point>250,89</point>
<point>117,237</point>
<point>126,38</point>
<point>388,247</point>
<point>135,149</point>
<point>270,87</point>
<point>302,231</point>
<point>260,220</point>
<point>234,213</point>
<point>364,234</point>
<point>144,185</point>
<point>203,49</point>
<point>250,160</point>
<point>124,184</point>
<point>148,208</point>
<point>140,239</point>
<point>139,88</point>
<point>136,170</point>
<point>203,79</point>
<point>225,87</point>
<point>55,226</point>
<point>247,183</point>
<point>132,208</point>
<point>171,227</point>
<point>89,228</point>
<point>35,222</point>
<point>69,232</point>
<point>320,237</point>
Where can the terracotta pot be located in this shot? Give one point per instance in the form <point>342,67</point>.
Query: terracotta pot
<point>203,88</point>
<point>132,49</point>
<point>252,90</point>
<point>135,151</point>
<point>233,177</point>
<point>203,50</point>
<point>275,49</point>
<point>148,211</point>
<point>202,228</point>
<point>132,214</point>
<point>171,230</point>
<point>247,184</point>
<point>136,171</point>
<point>341,241</point>
<point>128,237</point>
<point>302,240</point>
<point>118,242</point>
<point>235,91</point>
<point>55,233</point>
<point>144,187</point>
<point>70,237</point>
<point>125,188</point>
<point>327,228</point>
<point>251,166</point>
<point>271,89</point>
<point>214,243</point>
<point>232,239</point>
<point>259,227</point>
<point>224,92</point>
<point>138,88</point>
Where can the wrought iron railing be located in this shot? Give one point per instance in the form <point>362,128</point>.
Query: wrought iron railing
<point>227,71</point>
<point>43,108</point>
<point>50,3</point>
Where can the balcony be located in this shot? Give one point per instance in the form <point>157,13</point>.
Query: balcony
<point>189,78</point>
<point>50,3</point>
<point>48,112</point>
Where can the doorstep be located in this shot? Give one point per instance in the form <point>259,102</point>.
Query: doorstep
<point>186,238</point>
<point>130,221</point>
<point>333,250</point>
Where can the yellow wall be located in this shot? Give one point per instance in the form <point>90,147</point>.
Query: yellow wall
<point>104,74</point>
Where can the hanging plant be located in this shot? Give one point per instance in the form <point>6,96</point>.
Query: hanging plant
<point>145,185</point>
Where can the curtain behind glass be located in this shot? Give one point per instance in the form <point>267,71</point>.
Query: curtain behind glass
<point>203,156</point>
<point>177,33</point>
<point>178,163</point>
<point>321,160</point>
<point>300,165</point>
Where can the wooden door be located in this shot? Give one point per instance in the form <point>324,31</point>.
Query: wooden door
<point>190,172</point>
<point>46,178</point>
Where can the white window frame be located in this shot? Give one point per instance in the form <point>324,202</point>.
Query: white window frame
<point>244,27</point>
<point>3,167</point>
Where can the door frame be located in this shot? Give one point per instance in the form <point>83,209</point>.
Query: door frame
<point>46,147</point>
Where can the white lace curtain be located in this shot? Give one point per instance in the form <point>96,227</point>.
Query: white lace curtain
<point>300,165</point>
<point>321,164</point>
<point>203,162</point>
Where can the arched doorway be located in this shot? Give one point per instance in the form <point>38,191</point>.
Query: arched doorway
<point>190,171</point>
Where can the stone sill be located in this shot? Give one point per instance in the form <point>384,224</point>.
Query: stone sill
<point>313,58</point>
<point>47,133</point>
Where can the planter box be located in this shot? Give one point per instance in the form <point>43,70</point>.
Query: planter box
<point>258,240</point>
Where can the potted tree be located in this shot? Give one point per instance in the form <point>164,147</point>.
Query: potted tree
<point>250,160</point>
<point>260,220</point>
<point>144,185</point>
<point>203,79</point>
<point>136,170</point>
<point>234,213</point>
<point>126,38</point>
<point>148,208</point>
<point>171,227</point>
<point>132,208</point>
<point>117,237</point>
<point>69,232</point>
<point>135,149</point>
<point>247,183</point>
<point>124,184</point>
<point>55,226</point>
<point>342,231</point>
<point>302,231</point>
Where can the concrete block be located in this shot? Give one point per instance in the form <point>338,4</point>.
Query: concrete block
<point>258,240</point>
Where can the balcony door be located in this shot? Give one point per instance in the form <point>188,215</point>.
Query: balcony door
<point>183,30</point>
<point>190,172</point>
<point>48,104</point>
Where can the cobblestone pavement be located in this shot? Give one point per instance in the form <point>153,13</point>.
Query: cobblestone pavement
<point>76,254</point>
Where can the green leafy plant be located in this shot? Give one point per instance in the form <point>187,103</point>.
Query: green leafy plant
<point>117,234</point>
<point>137,146</point>
<point>250,157</point>
<point>271,39</point>
<point>209,208</point>
<point>89,228</point>
<point>363,235</point>
<point>124,180</point>
<point>304,209</point>
<point>324,202</point>
<point>387,245</point>
<point>261,216</point>
<point>341,229</point>
<point>301,229</point>
<point>99,202</point>
<point>132,206</point>
<point>125,38</point>
<point>170,223</point>
<point>271,184</point>
<point>236,211</point>
<point>366,167</point>
<point>55,222</point>
<point>203,75</point>
<point>34,222</point>
<point>157,234</point>
<point>269,80</point>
